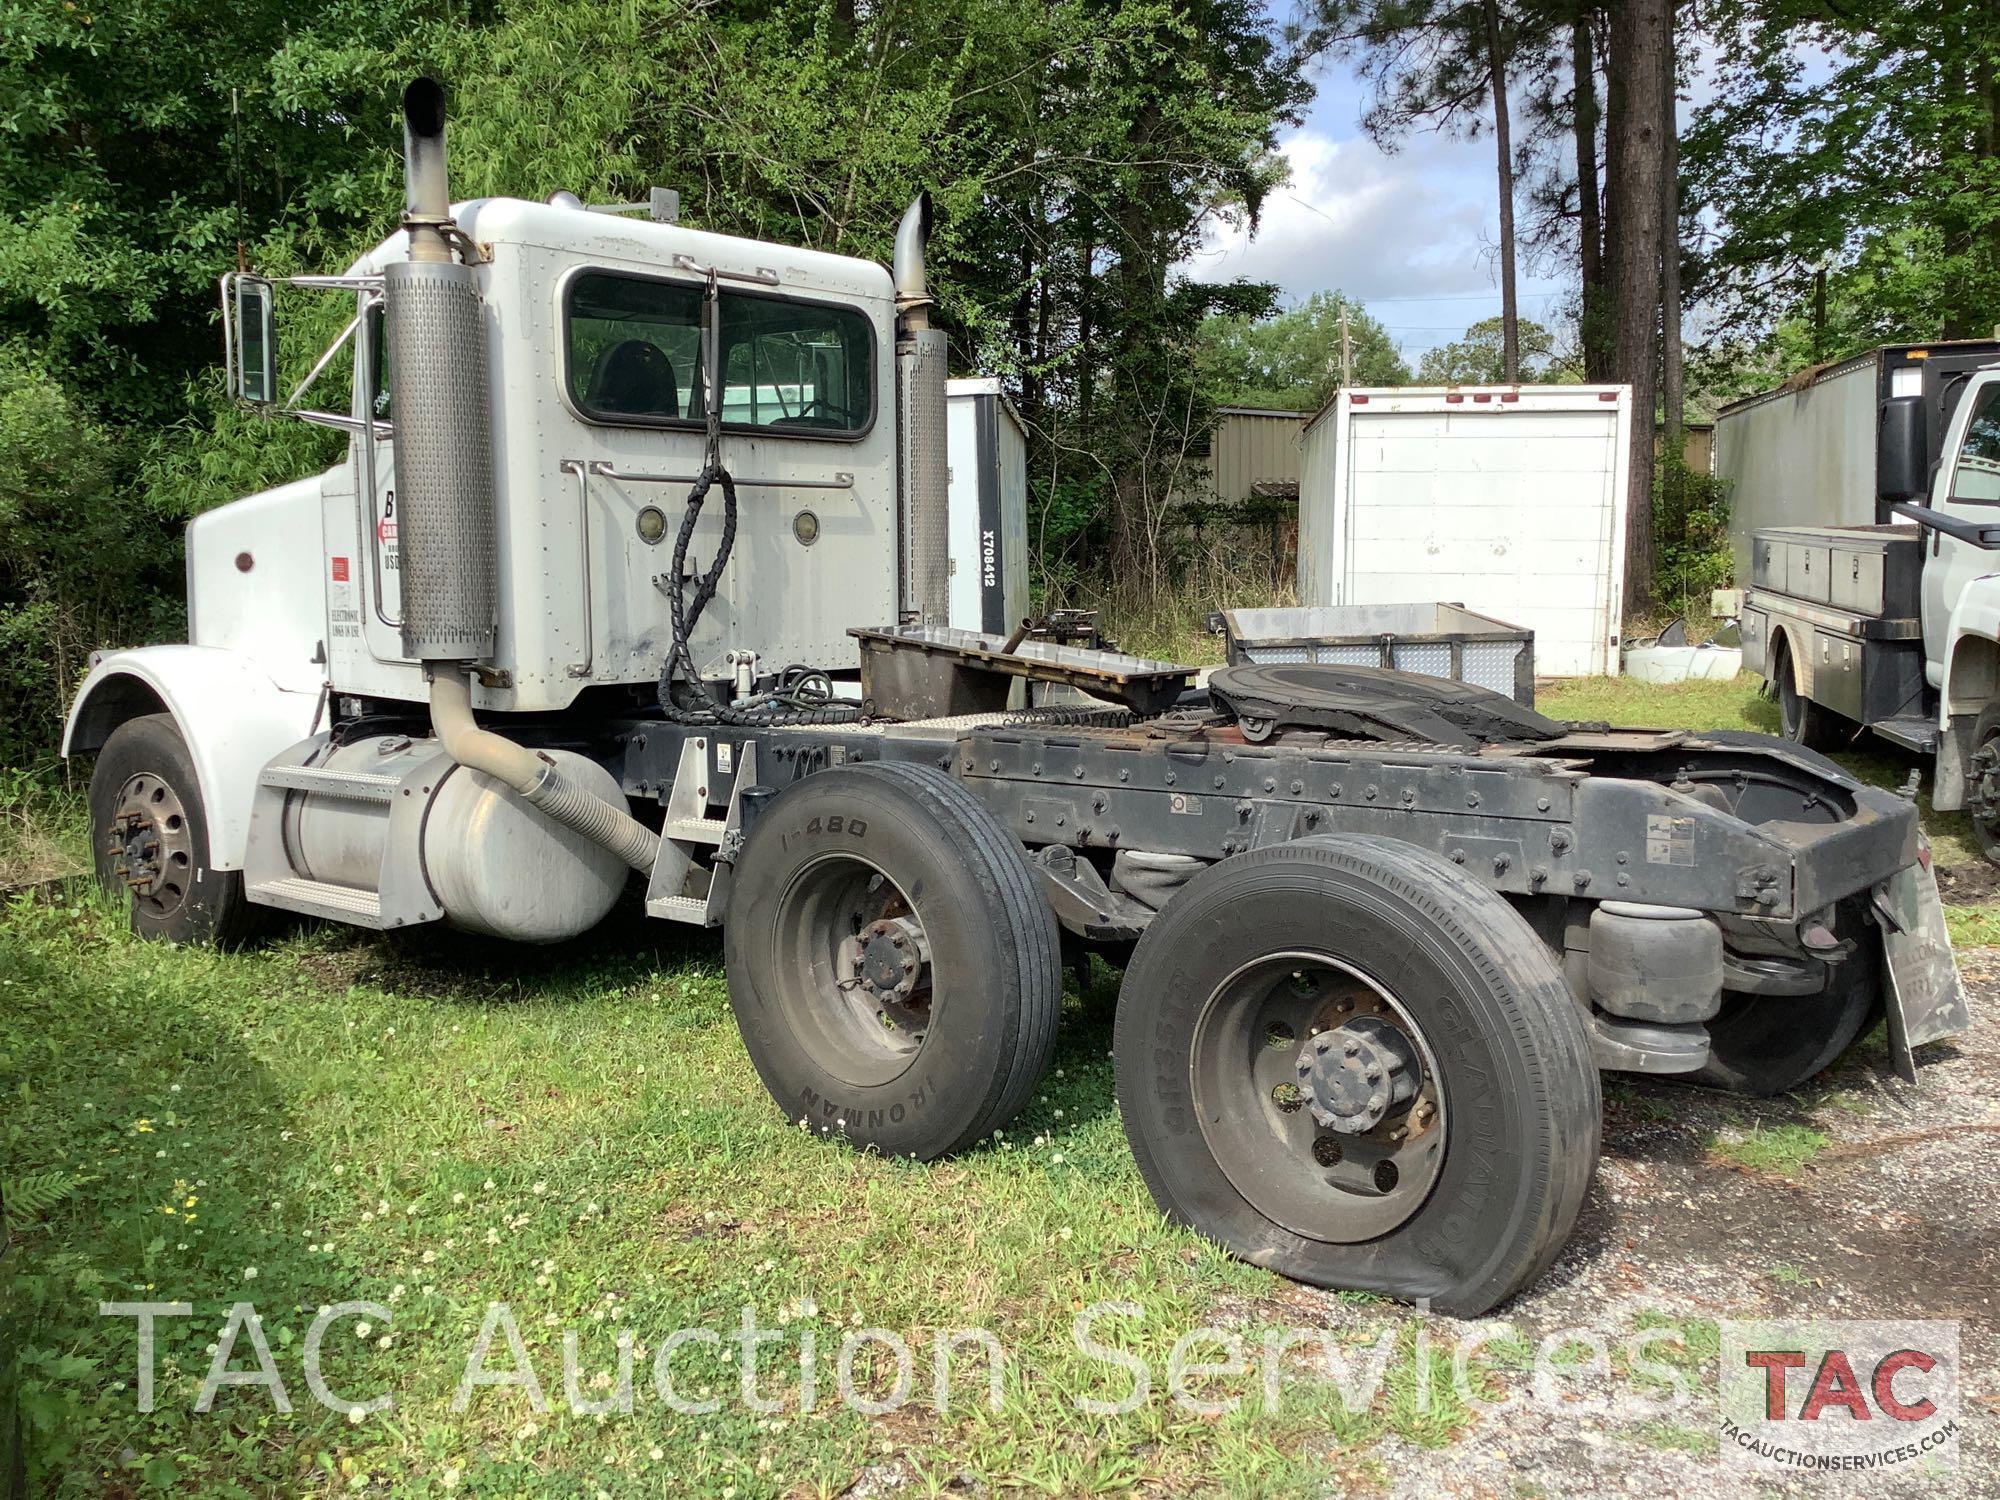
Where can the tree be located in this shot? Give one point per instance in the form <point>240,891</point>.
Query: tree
<point>1641,46</point>
<point>1883,173</point>
<point>1292,361</point>
<point>1444,64</point>
<point>1480,358</point>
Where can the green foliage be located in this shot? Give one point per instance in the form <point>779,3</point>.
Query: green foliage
<point>1690,535</point>
<point>1477,359</point>
<point>1863,140</point>
<point>81,560</point>
<point>1291,361</point>
<point>1076,152</point>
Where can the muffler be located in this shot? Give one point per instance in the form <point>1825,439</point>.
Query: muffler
<point>444,425</point>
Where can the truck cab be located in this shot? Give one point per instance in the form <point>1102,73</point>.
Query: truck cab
<point>1895,627</point>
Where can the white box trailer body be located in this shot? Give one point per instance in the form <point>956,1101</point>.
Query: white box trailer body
<point>988,499</point>
<point>1509,500</point>
<point>1803,453</point>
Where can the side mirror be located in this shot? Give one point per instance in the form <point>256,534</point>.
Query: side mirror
<point>1902,450</point>
<point>250,323</point>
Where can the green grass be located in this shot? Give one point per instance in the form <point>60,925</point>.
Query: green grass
<point>432,1125</point>
<point>1782,1150</point>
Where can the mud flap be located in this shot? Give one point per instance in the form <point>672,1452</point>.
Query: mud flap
<point>1924,998</point>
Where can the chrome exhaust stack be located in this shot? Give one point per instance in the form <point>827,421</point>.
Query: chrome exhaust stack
<point>444,423</point>
<point>922,468</point>
<point>444,483</point>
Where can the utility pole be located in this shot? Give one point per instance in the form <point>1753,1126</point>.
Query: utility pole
<point>1346,351</point>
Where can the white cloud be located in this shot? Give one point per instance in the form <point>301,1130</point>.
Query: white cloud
<point>1359,221</point>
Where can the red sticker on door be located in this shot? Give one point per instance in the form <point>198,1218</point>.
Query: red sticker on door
<point>340,570</point>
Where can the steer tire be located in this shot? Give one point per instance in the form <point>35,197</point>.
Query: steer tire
<point>144,768</point>
<point>1518,1107</point>
<point>925,1074</point>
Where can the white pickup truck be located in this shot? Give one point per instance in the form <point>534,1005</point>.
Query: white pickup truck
<point>1896,627</point>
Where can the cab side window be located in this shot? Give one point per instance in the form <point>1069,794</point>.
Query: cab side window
<point>1975,477</point>
<point>634,347</point>
<point>635,358</point>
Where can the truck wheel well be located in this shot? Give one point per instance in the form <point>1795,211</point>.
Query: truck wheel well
<point>1973,680</point>
<point>111,703</point>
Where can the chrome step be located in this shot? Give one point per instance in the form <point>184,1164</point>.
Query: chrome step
<point>316,898</point>
<point>1912,732</point>
<point>695,830</point>
<point>691,909</point>
<point>358,786</point>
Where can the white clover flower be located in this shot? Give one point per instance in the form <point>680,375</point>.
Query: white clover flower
<point>540,1188</point>
<point>339,1170</point>
<point>458,1197</point>
<point>362,1330</point>
<point>656,1455</point>
<point>449,1478</point>
<point>385,1341</point>
<point>249,1273</point>
<point>357,1415</point>
<point>430,1257</point>
<point>1059,1114</point>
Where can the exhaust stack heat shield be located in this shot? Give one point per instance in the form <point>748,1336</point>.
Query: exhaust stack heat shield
<point>444,460</point>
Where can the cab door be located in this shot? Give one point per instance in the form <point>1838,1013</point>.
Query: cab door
<point>1966,487</point>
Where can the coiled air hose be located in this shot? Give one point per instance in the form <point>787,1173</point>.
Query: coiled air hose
<point>682,697</point>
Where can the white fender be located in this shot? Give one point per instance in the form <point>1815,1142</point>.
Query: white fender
<point>1975,614</point>
<point>232,715</point>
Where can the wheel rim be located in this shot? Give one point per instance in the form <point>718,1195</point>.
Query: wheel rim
<point>1282,1061</point>
<point>855,979</point>
<point>150,845</point>
<point>1982,799</point>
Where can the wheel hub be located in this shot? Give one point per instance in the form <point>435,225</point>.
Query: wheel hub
<point>1318,1094</point>
<point>1355,1074</point>
<point>149,843</point>
<point>1982,800</point>
<point>890,958</point>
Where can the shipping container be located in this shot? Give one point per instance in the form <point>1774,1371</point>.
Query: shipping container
<point>1509,500</point>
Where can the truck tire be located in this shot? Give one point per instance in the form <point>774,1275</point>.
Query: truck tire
<point>893,966</point>
<point>1982,790</point>
<point>1282,998</point>
<point>1770,1044</point>
<point>149,830</point>
<point>1803,721</point>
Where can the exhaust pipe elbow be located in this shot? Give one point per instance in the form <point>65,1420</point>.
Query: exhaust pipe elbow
<point>913,298</point>
<point>534,776</point>
<point>426,189</point>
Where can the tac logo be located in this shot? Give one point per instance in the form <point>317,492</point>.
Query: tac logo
<point>1840,1396</point>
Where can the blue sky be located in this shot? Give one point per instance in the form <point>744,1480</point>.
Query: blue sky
<point>1412,234</point>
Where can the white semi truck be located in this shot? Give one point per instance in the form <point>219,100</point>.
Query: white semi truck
<point>636,570</point>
